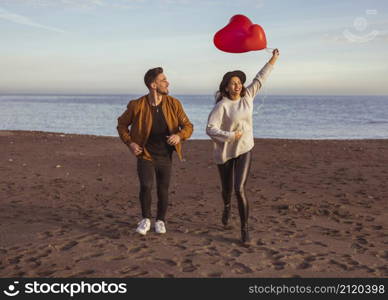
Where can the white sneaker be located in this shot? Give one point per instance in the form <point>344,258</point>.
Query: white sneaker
<point>160,227</point>
<point>143,226</point>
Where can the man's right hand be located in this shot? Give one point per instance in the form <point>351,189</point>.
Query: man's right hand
<point>135,149</point>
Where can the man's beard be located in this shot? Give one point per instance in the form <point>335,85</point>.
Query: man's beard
<point>161,92</point>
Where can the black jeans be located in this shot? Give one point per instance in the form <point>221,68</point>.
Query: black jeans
<point>237,170</point>
<point>146,170</point>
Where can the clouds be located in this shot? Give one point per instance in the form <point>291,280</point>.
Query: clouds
<point>110,43</point>
<point>22,20</point>
<point>95,4</point>
<point>64,4</point>
<point>53,3</point>
<point>87,4</point>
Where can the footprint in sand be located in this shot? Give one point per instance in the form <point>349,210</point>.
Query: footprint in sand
<point>93,255</point>
<point>207,242</point>
<point>15,260</point>
<point>383,254</point>
<point>361,240</point>
<point>377,227</point>
<point>303,265</point>
<point>270,253</point>
<point>33,262</point>
<point>350,261</point>
<point>358,248</point>
<point>139,274</point>
<point>83,273</point>
<point>68,246</point>
<point>121,257</point>
<point>320,244</point>
<point>383,270</point>
<point>181,247</point>
<point>168,262</point>
<point>215,274</point>
<point>20,274</point>
<point>235,253</point>
<point>278,264</point>
<point>188,266</point>
<point>45,234</point>
<point>135,250</point>
<point>369,270</point>
<point>129,269</point>
<point>310,258</point>
<point>240,268</point>
<point>260,243</point>
<point>338,264</point>
<point>47,273</point>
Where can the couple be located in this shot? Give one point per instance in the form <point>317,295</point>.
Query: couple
<point>159,125</point>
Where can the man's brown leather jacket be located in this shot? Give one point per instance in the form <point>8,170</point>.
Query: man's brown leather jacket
<point>139,116</point>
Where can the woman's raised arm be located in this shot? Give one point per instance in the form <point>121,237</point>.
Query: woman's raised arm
<point>261,77</point>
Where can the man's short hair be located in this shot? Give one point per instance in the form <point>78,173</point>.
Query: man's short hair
<point>151,75</point>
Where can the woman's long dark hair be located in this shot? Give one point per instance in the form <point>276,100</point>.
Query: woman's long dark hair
<point>222,90</point>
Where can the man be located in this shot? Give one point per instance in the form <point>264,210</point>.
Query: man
<point>158,126</point>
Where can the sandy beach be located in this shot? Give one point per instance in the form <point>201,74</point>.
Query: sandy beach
<point>69,208</point>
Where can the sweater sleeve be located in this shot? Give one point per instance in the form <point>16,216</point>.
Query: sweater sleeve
<point>213,126</point>
<point>258,81</point>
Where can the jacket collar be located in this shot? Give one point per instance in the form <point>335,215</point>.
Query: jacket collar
<point>163,102</point>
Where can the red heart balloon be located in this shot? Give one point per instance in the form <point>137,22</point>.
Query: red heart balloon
<point>240,35</point>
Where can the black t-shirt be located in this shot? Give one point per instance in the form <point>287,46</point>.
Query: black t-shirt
<point>157,141</point>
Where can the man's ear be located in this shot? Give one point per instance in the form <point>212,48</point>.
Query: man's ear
<point>153,85</point>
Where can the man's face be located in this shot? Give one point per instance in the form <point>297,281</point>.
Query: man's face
<point>161,84</point>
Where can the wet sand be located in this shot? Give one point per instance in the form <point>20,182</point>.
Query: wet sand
<point>69,208</point>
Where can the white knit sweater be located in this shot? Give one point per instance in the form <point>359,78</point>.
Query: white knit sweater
<point>229,116</point>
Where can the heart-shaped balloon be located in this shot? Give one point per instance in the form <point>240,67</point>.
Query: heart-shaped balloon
<point>240,35</point>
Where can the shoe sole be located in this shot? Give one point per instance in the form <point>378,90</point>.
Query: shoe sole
<point>141,233</point>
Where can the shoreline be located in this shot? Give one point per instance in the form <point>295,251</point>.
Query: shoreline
<point>11,132</point>
<point>69,208</point>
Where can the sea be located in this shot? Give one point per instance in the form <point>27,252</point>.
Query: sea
<point>274,116</point>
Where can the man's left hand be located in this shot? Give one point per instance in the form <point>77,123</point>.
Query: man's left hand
<point>173,139</point>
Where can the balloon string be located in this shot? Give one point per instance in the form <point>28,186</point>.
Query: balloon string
<point>263,95</point>
<point>264,92</point>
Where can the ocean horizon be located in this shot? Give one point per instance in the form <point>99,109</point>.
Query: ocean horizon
<point>274,116</point>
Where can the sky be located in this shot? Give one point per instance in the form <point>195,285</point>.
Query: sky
<point>106,46</point>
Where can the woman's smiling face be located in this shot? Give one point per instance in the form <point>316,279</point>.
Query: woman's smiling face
<point>234,87</point>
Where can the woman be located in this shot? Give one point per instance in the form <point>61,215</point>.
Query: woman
<point>230,127</point>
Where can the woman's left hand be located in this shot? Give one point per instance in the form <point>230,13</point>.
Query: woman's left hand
<point>275,55</point>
